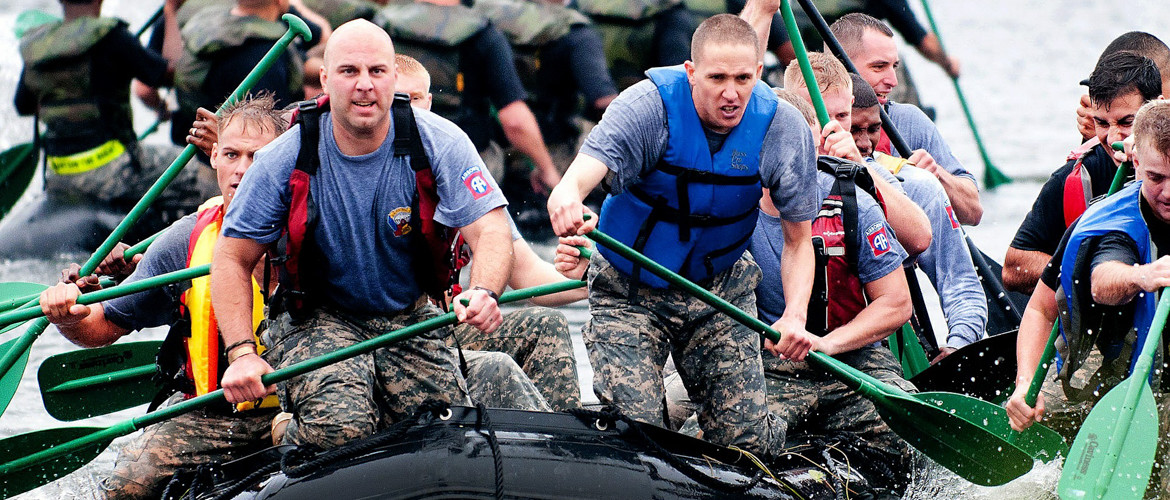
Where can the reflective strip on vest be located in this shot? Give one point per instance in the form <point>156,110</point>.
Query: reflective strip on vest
<point>203,346</point>
<point>80,163</point>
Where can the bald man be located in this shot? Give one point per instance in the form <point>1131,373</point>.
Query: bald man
<point>362,220</point>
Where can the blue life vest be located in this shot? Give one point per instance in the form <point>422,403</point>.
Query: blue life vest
<point>1120,212</point>
<point>694,212</point>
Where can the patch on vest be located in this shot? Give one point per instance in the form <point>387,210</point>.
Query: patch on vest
<point>399,220</point>
<point>951,215</point>
<point>879,241</point>
<point>476,183</point>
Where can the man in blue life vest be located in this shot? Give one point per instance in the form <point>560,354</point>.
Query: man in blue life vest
<point>686,195</point>
<point>145,465</point>
<point>1106,274</point>
<point>355,251</point>
<point>869,43</point>
<point>1120,83</point>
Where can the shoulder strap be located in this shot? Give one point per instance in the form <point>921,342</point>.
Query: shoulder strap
<point>308,116</point>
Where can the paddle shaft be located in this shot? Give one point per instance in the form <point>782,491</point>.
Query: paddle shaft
<point>26,314</point>
<point>810,80</point>
<point>827,35</point>
<point>149,22</point>
<point>297,27</point>
<point>1141,372</point>
<point>991,281</point>
<point>988,167</point>
<point>280,375</point>
<point>104,379</point>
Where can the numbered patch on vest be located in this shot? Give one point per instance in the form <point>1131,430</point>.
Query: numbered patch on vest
<point>879,240</point>
<point>476,183</point>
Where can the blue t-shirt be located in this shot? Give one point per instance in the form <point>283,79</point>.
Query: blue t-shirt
<point>632,137</point>
<point>157,306</point>
<point>364,208</point>
<point>767,244</point>
<point>921,133</point>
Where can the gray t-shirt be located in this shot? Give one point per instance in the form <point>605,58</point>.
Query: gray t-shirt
<point>921,133</point>
<point>632,137</point>
<point>879,252</point>
<point>364,207</point>
<point>157,306</point>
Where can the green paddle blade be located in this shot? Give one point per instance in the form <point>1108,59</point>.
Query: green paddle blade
<point>89,382</point>
<point>993,177</point>
<point>1038,441</point>
<point>966,449</point>
<point>18,165</point>
<point>14,294</point>
<point>1090,471</point>
<point>30,19</point>
<point>42,473</point>
<point>11,380</point>
<point>909,352</point>
<point>983,369</point>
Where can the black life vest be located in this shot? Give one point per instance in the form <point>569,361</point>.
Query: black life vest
<point>436,249</point>
<point>838,294</point>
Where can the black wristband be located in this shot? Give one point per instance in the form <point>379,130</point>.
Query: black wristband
<point>228,349</point>
<point>491,293</point>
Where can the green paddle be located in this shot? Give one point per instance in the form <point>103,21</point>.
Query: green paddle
<point>1114,450</point>
<point>30,19</point>
<point>89,382</point>
<point>992,177</point>
<point>28,294</point>
<point>34,459</point>
<point>15,351</point>
<point>961,433</point>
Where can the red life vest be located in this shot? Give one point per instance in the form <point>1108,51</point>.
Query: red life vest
<point>838,294</point>
<point>883,143</point>
<point>1078,192</point>
<point>436,249</point>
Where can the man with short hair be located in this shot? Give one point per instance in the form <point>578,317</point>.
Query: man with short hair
<point>1138,42</point>
<point>1106,274</point>
<point>359,266</point>
<point>537,338</point>
<point>869,43</point>
<point>1121,82</point>
<point>215,434</point>
<point>727,132</point>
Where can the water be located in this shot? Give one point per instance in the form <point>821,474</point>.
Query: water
<point>1021,62</point>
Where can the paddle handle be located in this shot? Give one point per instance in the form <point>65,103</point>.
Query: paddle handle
<point>25,314</point>
<point>1042,368</point>
<point>297,27</point>
<point>851,377</point>
<point>810,80</point>
<point>129,426</point>
<point>150,22</point>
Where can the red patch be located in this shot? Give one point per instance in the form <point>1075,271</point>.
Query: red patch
<point>476,183</point>
<point>879,241</point>
<point>951,215</point>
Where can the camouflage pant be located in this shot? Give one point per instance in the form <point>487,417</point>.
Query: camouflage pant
<point>352,399</point>
<point>538,339</point>
<point>495,380</point>
<point>124,181</point>
<point>147,463</point>
<point>1068,403</point>
<point>717,358</point>
<point>810,402</point>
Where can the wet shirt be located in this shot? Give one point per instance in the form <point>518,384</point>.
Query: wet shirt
<point>364,208</point>
<point>921,133</point>
<point>632,137</point>
<point>874,260</point>
<point>1043,226</point>
<point>157,306</point>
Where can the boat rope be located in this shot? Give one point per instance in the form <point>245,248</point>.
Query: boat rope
<point>497,457</point>
<point>608,416</point>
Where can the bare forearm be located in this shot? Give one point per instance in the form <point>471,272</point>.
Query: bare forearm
<point>94,330</point>
<point>522,131</point>
<point>905,217</point>
<point>490,239</point>
<point>964,197</point>
<point>1022,269</point>
<point>231,287</point>
<point>758,13</point>
<point>1035,328</point>
<point>877,321</point>
<point>1115,283</point>
<point>796,271</point>
<point>530,270</point>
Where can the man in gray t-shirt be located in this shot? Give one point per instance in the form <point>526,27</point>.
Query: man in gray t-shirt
<point>369,283</point>
<point>719,127</point>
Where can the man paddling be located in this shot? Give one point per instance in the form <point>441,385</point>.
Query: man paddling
<point>356,264</point>
<point>1120,83</point>
<point>145,465</point>
<point>686,196</point>
<point>537,338</point>
<point>869,43</point>
<point>1108,268</point>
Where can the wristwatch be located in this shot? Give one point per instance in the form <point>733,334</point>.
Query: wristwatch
<point>491,293</point>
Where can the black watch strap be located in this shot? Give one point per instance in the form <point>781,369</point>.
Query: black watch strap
<point>491,293</point>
